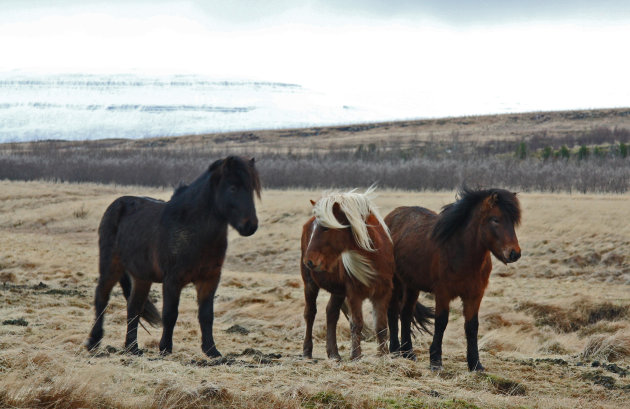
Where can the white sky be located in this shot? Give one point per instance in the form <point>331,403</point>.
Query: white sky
<point>344,48</point>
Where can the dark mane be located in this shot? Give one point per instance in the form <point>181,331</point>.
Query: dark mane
<point>242,168</point>
<point>456,215</point>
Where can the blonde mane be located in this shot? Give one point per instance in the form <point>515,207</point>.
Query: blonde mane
<point>357,207</point>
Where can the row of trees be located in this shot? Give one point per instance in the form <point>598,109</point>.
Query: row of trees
<point>582,153</point>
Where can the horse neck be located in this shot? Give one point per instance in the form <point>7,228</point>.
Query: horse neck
<point>196,207</point>
<point>467,249</point>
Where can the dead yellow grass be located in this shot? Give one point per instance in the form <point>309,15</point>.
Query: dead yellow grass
<point>575,267</point>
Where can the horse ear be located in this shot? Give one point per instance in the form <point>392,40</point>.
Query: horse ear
<point>312,202</point>
<point>215,165</point>
<point>339,214</point>
<point>490,201</point>
<point>229,161</point>
<point>252,161</point>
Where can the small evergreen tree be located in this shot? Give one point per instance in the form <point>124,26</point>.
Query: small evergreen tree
<point>546,153</point>
<point>521,151</point>
<point>583,152</point>
<point>623,150</point>
<point>564,152</point>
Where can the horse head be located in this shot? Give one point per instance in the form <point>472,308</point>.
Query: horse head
<point>500,213</point>
<point>328,239</point>
<point>235,181</point>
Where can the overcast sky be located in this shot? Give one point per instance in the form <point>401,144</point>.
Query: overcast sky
<point>400,46</point>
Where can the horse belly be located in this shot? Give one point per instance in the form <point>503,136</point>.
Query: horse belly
<point>137,250</point>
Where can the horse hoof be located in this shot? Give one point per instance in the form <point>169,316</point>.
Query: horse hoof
<point>478,368</point>
<point>164,352</point>
<point>410,355</point>
<point>334,357</point>
<point>91,345</point>
<point>134,351</point>
<point>436,366</point>
<point>213,353</point>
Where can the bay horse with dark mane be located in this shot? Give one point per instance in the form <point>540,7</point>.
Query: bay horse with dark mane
<point>184,240</point>
<point>448,254</point>
<point>346,250</point>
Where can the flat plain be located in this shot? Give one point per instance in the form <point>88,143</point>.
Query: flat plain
<point>554,327</point>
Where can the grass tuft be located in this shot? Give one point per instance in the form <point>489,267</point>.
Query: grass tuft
<point>608,347</point>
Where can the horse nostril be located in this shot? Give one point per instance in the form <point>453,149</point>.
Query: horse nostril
<point>514,255</point>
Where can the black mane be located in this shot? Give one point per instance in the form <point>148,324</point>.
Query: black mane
<point>456,215</point>
<point>236,165</point>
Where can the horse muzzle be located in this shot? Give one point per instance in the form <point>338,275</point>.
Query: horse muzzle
<point>246,227</point>
<point>317,267</point>
<point>511,256</point>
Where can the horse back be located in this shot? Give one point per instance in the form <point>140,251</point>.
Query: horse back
<point>415,252</point>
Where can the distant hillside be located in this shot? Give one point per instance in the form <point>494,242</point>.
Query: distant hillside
<point>585,151</point>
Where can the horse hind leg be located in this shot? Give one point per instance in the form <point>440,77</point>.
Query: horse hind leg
<point>135,304</point>
<point>356,326</point>
<point>110,272</point>
<point>380,310</point>
<point>393,314</point>
<point>406,315</point>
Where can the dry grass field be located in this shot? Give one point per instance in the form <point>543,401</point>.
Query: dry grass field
<point>554,327</point>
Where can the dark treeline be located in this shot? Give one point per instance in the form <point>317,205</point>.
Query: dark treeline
<point>595,161</point>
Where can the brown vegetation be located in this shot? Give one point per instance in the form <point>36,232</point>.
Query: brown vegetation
<point>574,267</point>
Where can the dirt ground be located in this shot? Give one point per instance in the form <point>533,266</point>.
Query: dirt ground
<point>554,327</point>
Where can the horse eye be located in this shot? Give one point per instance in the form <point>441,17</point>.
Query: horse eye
<point>324,228</point>
<point>494,220</point>
<point>232,189</point>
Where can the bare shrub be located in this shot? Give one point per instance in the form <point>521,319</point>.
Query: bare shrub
<point>437,165</point>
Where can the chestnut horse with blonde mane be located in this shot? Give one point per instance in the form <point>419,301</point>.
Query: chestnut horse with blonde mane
<point>346,250</point>
<point>448,254</point>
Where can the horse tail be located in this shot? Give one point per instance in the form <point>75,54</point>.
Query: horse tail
<point>107,232</point>
<point>422,317</point>
<point>150,312</point>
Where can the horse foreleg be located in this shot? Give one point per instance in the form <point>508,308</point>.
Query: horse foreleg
<point>406,315</point>
<point>441,320</point>
<point>393,313</point>
<point>380,306</point>
<point>135,304</point>
<point>332,317</point>
<point>356,325</point>
<point>471,326</point>
<point>205,298</point>
<point>170,306</point>
<point>310,309</point>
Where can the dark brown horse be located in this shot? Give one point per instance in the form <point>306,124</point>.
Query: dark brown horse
<point>143,240</point>
<point>449,255</point>
<point>346,250</point>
